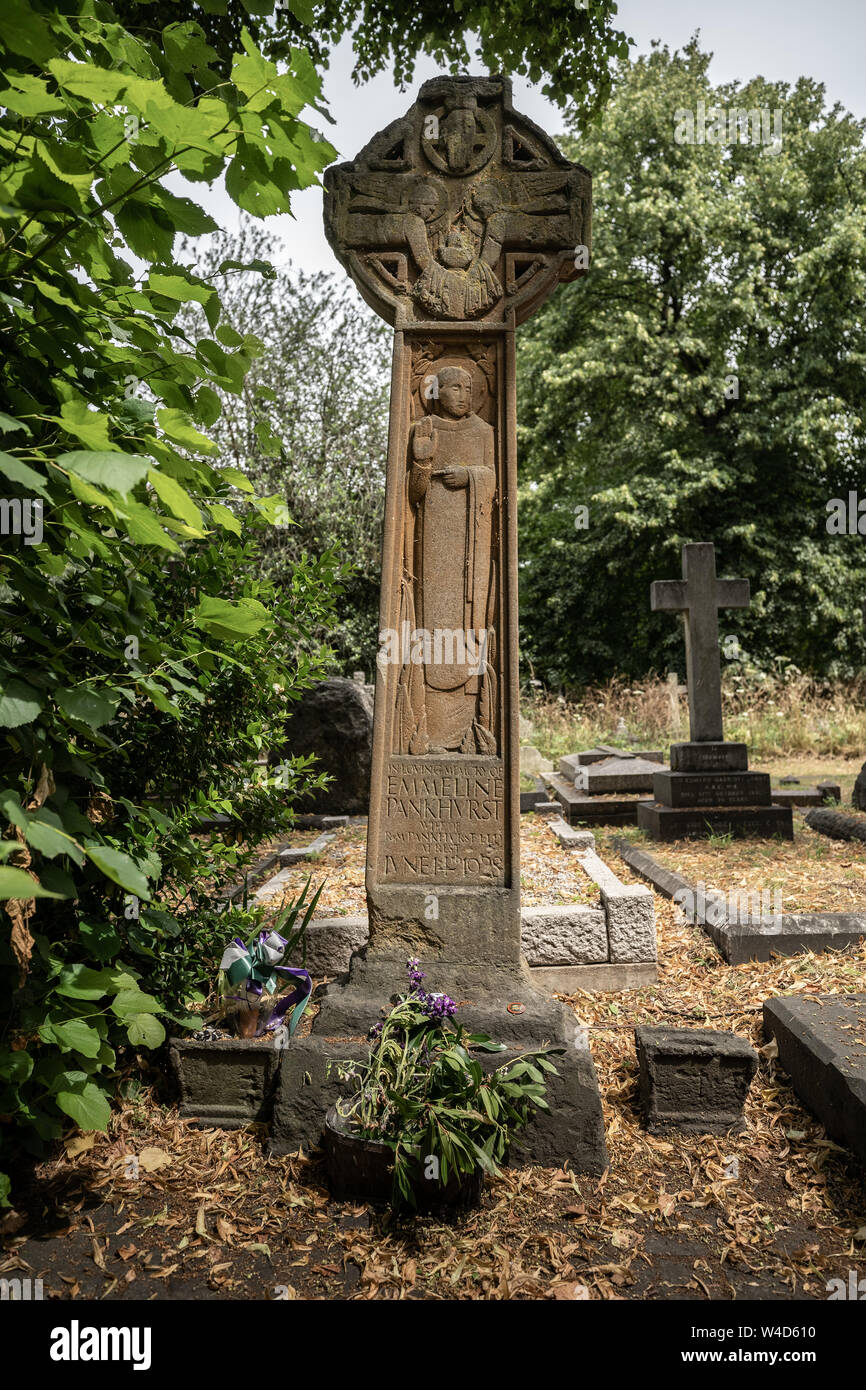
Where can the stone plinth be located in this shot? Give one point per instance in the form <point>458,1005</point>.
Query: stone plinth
<point>710,790</point>
<point>693,1079</point>
<point>229,1082</point>
<point>743,822</point>
<point>571,1128</point>
<point>717,756</point>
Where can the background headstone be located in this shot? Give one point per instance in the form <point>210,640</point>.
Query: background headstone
<point>334,720</point>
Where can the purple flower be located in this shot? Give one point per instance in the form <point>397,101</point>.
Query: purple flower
<point>438,1006</point>
<point>416,975</point>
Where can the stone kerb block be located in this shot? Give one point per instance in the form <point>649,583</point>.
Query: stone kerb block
<point>229,1083</point>
<point>822,1047</point>
<point>568,935</point>
<point>630,913</point>
<point>569,838</point>
<point>693,1079</point>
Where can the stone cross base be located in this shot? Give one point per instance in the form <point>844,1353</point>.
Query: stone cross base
<point>709,788</point>
<point>572,1129</point>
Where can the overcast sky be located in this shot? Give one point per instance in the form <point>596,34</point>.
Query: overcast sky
<point>777,39</point>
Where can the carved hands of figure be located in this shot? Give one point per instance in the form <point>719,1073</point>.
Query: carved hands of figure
<point>423,442</point>
<point>453,477</point>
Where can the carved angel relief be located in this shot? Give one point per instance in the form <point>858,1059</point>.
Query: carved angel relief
<point>459,211</point>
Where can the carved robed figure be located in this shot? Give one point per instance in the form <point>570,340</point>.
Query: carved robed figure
<point>448,704</point>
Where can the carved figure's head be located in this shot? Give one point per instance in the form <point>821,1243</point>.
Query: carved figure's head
<point>424,199</point>
<point>457,254</point>
<point>486,199</point>
<point>455,392</point>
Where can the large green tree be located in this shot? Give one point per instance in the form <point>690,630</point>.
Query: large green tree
<point>570,53</point>
<point>704,381</point>
<point>143,664</point>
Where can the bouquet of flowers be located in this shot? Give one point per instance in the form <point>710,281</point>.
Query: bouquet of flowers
<point>255,988</point>
<point>424,1095</point>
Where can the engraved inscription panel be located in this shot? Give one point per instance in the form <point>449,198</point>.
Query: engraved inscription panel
<point>715,789</point>
<point>443,821</point>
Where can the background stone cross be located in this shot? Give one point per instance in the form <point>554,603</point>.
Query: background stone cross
<point>698,596</point>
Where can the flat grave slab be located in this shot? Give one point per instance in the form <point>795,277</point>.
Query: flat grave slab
<point>797,796</point>
<point>617,775</point>
<point>822,1047</point>
<point>593,810</point>
<point>744,938</point>
<point>571,762</point>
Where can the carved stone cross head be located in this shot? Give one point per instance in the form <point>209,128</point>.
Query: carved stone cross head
<point>461,210</point>
<point>699,595</point>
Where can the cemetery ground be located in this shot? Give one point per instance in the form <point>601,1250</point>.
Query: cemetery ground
<point>773,1213</point>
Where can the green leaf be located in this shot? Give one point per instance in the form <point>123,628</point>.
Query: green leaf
<point>144,527</point>
<point>225,518</point>
<point>121,472</point>
<point>144,1028</point>
<point>74,1036</point>
<point>19,473</point>
<point>15,883</point>
<point>57,880</point>
<point>87,80</point>
<point>177,500</point>
<point>100,939</point>
<point>19,704</point>
<point>90,426</point>
<point>88,705</point>
<point>133,1001</point>
<point>10,426</point>
<point>15,1066</point>
<point>223,618</point>
<point>44,831</point>
<point>239,479</point>
<point>86,1104</point>
<point>81,982</point>
<point>177,425</point>
<point>119,868</point>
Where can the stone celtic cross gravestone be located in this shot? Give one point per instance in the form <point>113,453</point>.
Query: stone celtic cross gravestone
<point>709,786</point>
<point>455,222</point>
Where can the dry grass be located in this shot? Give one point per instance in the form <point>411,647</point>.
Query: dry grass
<point>776,717</point>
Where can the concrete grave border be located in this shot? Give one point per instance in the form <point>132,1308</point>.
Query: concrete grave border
<point>567,947</point>
<point>752,939</point>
